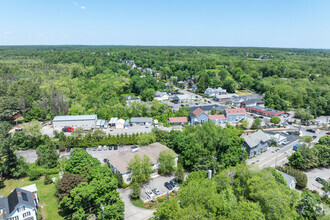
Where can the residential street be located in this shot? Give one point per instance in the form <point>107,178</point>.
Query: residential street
<point>133,212</point>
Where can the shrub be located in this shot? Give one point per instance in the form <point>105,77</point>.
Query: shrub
<point>47,180</point>
<point>125,185</point>
<point>34,174</point>
<point>160,199</point>
<point>300,177</point>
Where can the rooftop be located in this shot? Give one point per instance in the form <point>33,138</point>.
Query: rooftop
<point>197,111</point>
<point>235,110</point>
<point>254,139</point>
<point>178,119</point>
<point>141,120</point>
<point>75,118</point>
<point>215,117</point>
<point>265,110</point>
<point>120,159</point>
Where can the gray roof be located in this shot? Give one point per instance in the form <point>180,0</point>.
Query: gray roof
<point>75,118</point>
<point>160,94</point>
<point>287,178</point>
<point>141,120</point>
<point>120,159</point>
<point>255,138</point>
<point>18,196</point>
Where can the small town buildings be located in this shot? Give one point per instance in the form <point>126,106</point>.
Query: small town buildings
<point>120,124</point>
<point>198,116</point>
<point>290,180</point>
<point>83,121</point>
<point>161,96</point>
<point>178,120</point>
<point>194,87</point>
<point>264,111</point>
<point>130,100</point>
<point>20,204</point>
<point>141,121</point>
<point>130,62</point>
<point>252,102</point>
<point>256,143</point>
<point>113,121</point>
<point>218,119</point>
<point>101,123</point>
<point>235,114</point>
<point>212,92</point>
<point>119,160</point>
<point>183,98</point>
<point>208,108</point>
<point>279,139</point>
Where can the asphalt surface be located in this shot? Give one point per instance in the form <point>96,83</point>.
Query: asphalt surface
<point>157,183</point>
<point>133,212</point>
<point>312,174</point>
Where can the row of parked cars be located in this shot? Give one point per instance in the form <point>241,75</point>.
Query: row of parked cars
<point>105,147</point>
<point>169,185</point>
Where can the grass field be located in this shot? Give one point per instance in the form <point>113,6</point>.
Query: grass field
<point>242,92</point>
<point>46,194</point>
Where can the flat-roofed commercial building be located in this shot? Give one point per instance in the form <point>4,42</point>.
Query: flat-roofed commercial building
<point>264,111</point>
<point>75,121</point>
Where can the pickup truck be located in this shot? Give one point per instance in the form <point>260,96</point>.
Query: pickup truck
<point>296,146</point>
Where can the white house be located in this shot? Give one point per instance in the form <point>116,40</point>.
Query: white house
<point>20,204</point>
<point>212,92</point>
<point>183,98</point>
<point>120,124</point>
<point>119,160</point>
<point>161,96</point>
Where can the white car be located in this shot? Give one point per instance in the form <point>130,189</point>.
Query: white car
<point>149,193</point>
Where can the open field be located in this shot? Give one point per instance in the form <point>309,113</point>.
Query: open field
<point>46,194</point>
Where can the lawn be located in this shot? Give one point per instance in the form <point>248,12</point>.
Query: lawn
<point>242,92</point>
<point>46,194</point>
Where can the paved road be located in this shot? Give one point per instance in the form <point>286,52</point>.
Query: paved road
<point>158,183</point>
<point>131,211</point>
<point>312,174</point>
<point>274,156</point>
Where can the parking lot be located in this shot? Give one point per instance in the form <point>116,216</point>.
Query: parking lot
<point>312,184</point>
<point>157,183</point>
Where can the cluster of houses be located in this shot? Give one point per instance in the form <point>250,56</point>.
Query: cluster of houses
<point>199,116</point>
<point>21,203</point>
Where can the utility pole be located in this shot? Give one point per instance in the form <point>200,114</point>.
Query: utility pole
<point>214,158</point>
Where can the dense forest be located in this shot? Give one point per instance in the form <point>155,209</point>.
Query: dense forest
<point>43,81</point>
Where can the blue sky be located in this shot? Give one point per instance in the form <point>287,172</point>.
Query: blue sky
<point>260,23</point>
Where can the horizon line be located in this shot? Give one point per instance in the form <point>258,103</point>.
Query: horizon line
<point>136,45</point>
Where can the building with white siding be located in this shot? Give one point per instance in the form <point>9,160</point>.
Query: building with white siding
<point>86,122</point>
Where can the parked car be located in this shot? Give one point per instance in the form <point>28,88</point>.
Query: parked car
<point>105,160</point>
<point>314,136</point>
<point>156,191</point>
<point>115,147</point>
<point>322,181</point>
<point>110,147</point>
<point>105,147</point>
<point>149,193</point>
<point>296,147</point>
<point>311,130</point>
<point>67,129</point>
<point>173,183</point>
<point>68,149</point>
<point>168,185</point>
<point>85,148</point>
<point>196,103</point>
<point>285,142</point>
<point>328,133</point>
<point>99,148</point>
<point>209,101</point>
<point>18,129</point>
<point>94,148</point>
<point>196,97</point>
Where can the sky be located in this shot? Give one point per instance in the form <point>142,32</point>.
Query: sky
<point>249,23</point>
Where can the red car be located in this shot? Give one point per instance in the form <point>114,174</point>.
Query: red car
<point>328,133</point>
<point>67,129</point>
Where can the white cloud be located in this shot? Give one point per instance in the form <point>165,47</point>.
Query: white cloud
<point>75,3</point>
<point>7,33</point>
<point>82,7</point>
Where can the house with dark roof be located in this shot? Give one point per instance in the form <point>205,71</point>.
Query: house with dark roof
<point>256,143</point>
<point>208,108</point>
<point>20,204</point>
<point>141,120</point>
<point>290,180</point>
<point>198,116</point>
<point>235,114</point>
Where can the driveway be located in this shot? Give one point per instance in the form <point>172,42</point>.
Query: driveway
<point>133,212</point>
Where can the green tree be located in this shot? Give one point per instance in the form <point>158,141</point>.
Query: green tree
<point>148,94</point>
<point>166,161</point>
<point>245,124</point>
<point>32,129</point>
<point>309,206</point>
<point>275,120</point>
<point>47,155</point>
<point>179,174</point>
<point>256,123</point>
<point>140,168</point>
<point>67,183</point>
<point>146,138</point>
<point>47,180</point>
<point>135,190</point>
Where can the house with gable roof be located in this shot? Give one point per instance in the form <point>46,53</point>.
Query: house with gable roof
<point>256,143</point>
<point>198,116</point>
<point>235,114</point>
<point>20,204</point>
